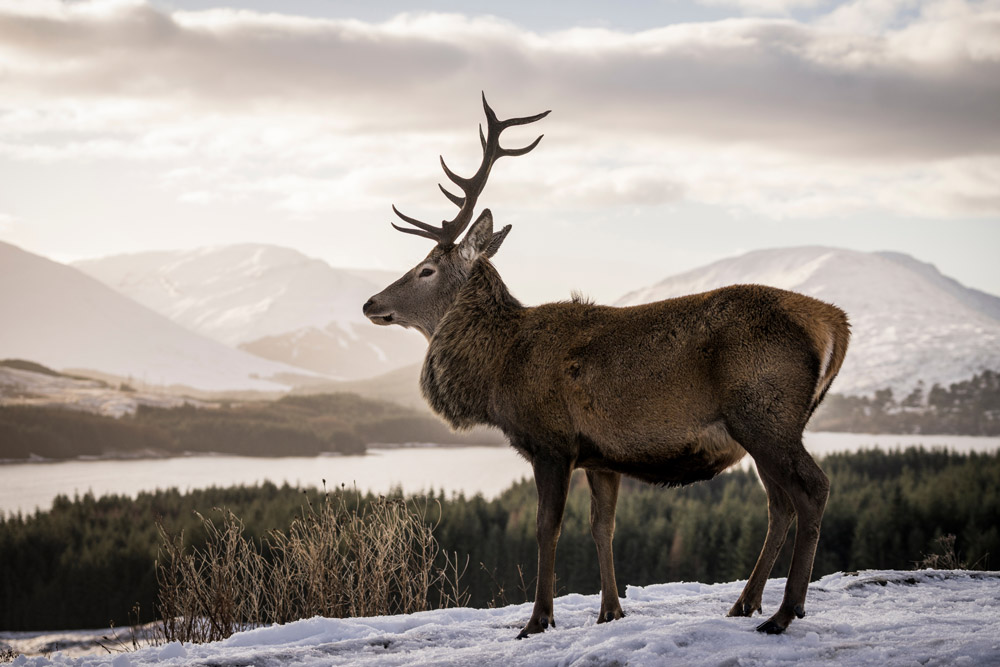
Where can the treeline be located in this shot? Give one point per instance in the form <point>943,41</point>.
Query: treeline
<point>970,407</point>
<point>88,560</point>
<point>290,426</point>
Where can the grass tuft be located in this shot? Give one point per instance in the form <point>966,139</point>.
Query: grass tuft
<point>340,560</point>
<point>948,557</point>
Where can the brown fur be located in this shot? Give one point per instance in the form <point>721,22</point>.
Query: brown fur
<point>626,387</point>
<point>670,392</point>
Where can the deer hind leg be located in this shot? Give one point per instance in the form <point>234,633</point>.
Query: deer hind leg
<point>808,488</point>
<point>552,481</point>
<point>603,499</point>
<point>780,512</point>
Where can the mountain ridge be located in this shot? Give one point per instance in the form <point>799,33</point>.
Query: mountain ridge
<point>983,301</point>
<point>910,323</point>
<point>59,316</point>
<point>271,301</point>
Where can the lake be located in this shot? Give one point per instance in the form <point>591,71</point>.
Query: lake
<point>470,470</point>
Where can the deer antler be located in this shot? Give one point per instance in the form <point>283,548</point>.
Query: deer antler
<point>450,230</point>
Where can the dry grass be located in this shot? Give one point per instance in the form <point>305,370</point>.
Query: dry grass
<point>948,558</point>
<point>337,561</point>
<point>499,597</point>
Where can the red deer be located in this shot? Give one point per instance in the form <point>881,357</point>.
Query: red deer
<point>671,392</point>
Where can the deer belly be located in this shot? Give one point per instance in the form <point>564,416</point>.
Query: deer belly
<point>672,463</point>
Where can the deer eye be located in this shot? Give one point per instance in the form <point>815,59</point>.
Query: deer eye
<point>426,272</point>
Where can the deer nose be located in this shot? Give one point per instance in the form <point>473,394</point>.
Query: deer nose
<point>368,304</point>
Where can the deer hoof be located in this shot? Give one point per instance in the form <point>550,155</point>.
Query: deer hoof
<point>744,609</point>
<point>536,626</point>
<point>800,611</point>
<point>610,615</point>
<point>770,627</point>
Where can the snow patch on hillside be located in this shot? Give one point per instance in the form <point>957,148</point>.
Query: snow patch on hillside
<point>21,387</point>
<point>270,301</point>
<point>908,322</point>
<point>928,617</point>
<point>58,316</point>
<point>237,293</point>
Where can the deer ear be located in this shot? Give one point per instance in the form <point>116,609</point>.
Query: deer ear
<point>495,242</point>
<point>479,237</point>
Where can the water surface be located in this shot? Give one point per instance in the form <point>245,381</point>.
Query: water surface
<point>486,470</point>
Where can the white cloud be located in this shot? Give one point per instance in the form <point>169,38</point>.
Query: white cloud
<point>866,17</point>
<point>780,7</point>
<point>878,105</point>
<point>199,197</point>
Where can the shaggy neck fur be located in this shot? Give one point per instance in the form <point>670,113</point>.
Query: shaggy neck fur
<point>468,346</point>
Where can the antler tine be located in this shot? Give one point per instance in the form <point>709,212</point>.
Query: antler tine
<point>453,198</point>
<point>423,229</point>
<point>460,181</point>
<point>415,232</point>
<point>492,120</point>
<point>472,187</point>
<point>514,152</point>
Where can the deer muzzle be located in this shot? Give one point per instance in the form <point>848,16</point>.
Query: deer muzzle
<point>377,313</point>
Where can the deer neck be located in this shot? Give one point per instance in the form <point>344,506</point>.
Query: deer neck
<point>468,348</point>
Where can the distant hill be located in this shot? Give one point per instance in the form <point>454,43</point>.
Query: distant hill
<point>289,426</point>
<point>28,384</point>
<point>909,322</point>
<point>401,386</point>
<point>270,301</point>
<point>58,316</point>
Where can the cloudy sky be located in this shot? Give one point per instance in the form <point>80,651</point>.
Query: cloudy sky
<point>682,131</point>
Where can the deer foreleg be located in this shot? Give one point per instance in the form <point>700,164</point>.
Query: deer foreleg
<point>552,481</point>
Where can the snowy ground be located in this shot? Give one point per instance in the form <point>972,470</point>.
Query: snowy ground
<point>930,617</point>
<point>20,387</point>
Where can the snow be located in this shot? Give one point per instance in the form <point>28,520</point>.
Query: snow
<point>927,617</point>
<point>21,387</point>
<point>908,322</point>
<point>270,300</point>
<point>236,293</point>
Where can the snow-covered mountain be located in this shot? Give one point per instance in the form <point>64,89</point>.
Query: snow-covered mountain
<point>58,316</point>
<point>909,323</point>
<point>273,302</point>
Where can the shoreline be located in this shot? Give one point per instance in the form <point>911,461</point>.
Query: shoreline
<point>815,442</point>
<point>156,455</point>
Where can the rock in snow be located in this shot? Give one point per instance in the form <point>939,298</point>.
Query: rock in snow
<point>927,617</point>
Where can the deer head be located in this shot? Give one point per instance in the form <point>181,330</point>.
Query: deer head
<point>422,296</point>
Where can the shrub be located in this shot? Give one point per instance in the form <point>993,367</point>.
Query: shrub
<point>338,561</point>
